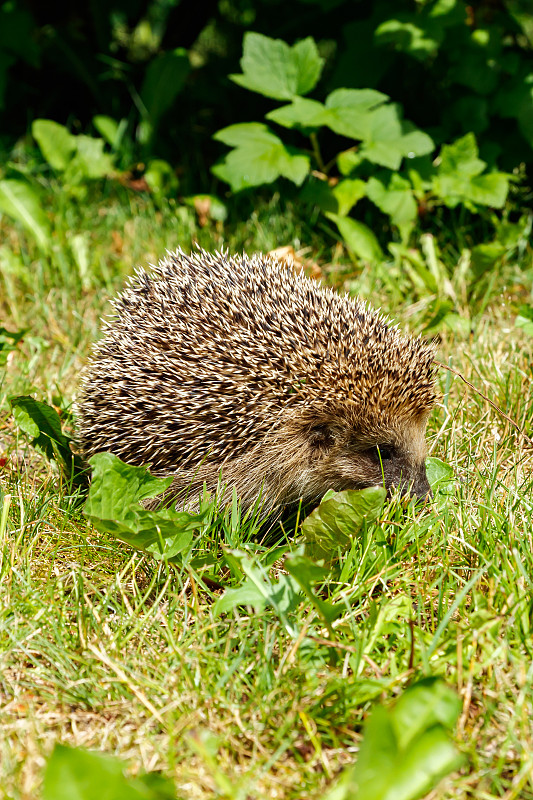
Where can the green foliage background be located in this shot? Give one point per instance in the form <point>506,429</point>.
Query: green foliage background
<point>150,92</point>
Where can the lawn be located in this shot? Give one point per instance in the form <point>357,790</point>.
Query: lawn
<point>105,648</point>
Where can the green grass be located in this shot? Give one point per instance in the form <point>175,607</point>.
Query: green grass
<point>104,648</point>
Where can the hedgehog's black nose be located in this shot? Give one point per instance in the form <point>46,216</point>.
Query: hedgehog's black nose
<point>425,496</point>
<point>420,487</point>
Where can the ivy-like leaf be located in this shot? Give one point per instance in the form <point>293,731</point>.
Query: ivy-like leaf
<point>390,139</point>
<point>273,68</point>
<point>346,112</point>
<point>459,178</point>
<point>259,157</point>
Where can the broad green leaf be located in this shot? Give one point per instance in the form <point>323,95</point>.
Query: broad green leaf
<point>395,198</point>
<point>340,516</point>
<point>301,113</point>
<point>430,758</point>
<point>118,485</point>
<point>77,774</point>
<point>259,157</point>
<point>90,157</point>
<point>461,158</point>
<point>338,199</point>
<point>246,595</point>
<point>389,139</point>
<point>20,201</point>
<point>347,112</point>
<point>56,142</point>
<point>107,127</point>
<point>421,39</point>
<point>429,702</point>
<point>490,190</point>
<point>9,341</point>
<point>406,749</point>
<point>349,160</point>
<point>246,134</point>
<point>41,423</point>
<point>161,178</point>
<point>164,80</point>
<point>273,68</point>
<point>459,178</point>
<point>377,758</point>
<point>484,257</point>
<point>350,111</point>
<point>440,475</point>
<point>347,193</point>
<point>358,238</point>
<point>114,506</point>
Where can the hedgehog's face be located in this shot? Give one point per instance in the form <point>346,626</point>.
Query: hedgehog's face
<point>342,454</point>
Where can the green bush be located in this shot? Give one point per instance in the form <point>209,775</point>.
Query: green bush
<point>421,109</point>
<point>385,162</point>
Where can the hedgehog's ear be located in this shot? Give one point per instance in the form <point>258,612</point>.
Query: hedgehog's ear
<point>320,438</point>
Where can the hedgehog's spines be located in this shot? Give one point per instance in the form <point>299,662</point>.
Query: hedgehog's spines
<point>211,352</point>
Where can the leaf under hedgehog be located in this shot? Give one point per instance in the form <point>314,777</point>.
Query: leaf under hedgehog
<point>234,368</point>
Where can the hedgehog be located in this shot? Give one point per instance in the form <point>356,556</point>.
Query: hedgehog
<point>238,372</point>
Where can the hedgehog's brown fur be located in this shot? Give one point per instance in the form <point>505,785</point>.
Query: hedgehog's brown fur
<point>235,368</point>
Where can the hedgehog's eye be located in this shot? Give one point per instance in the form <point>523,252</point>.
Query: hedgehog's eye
<point>382,452</point>
<point>320,437</point>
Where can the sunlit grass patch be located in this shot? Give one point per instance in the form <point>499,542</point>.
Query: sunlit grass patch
<point>107,648</point>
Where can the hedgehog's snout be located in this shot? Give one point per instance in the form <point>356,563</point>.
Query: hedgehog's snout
<point>347,456</point>
<point>420,487</point>
<point>417,486</point>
